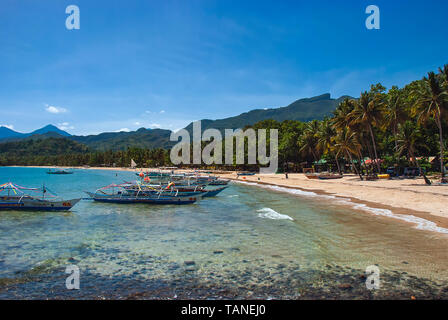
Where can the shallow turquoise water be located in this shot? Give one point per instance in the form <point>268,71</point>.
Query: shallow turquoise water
<point>243,226</point>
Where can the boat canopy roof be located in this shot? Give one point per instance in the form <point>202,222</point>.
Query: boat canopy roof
<point>19,190</point>
<point>12,186</point>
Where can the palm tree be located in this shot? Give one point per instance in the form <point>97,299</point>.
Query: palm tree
<point>368,111</point>
<point>409,137</point>
<point>432,100</point>
<point>325,138</point>
<point>341,116</point>
<point>347,144</point>
<point>395,111</point>
<point>308,141</point>
<point>443,73</point>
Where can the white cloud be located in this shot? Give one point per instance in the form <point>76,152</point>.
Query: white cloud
<point>162,111</point>
<point>55,110</point>
<point>148,112</point>
<point>155,125</point>
<point>65,126</point>
<point>124,130</point>
<point>138,123</point>
<point>9,126</point>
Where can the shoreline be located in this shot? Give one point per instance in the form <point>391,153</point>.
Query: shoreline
<point>407,197</point>
<point>362,201</point>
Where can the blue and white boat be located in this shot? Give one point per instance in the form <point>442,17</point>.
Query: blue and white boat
<point>15,197</point>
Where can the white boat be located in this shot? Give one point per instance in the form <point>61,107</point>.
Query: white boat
<point>14,197</point>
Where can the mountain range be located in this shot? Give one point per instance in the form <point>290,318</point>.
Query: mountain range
<point>7,133</point>
<point>303,110</point>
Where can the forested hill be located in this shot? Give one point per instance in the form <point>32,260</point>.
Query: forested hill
<point>50,151</point>
<point>315,108</point>
<point>38,151</point>
<point>49,146</point>
<point>142,138</point>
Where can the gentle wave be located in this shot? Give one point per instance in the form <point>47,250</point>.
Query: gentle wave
<point>247,183</point>
<point>272,214</point>
<point>297,192</point>
<point>421,224</point>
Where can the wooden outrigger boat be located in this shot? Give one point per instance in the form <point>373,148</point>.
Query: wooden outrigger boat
<point>128,196</point>
<point>187,179</point>
<point>219,182</point>
<point>245,174</point>
<point>171,189</point>
<point>128,199</point>
<point>14,197</point>
<point>59,171</point>
<point>153,174</point>
<point>329,176</point>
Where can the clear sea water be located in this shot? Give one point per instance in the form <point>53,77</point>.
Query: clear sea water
<point>247,242</point>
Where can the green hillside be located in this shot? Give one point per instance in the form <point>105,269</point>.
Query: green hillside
<point>44,147</point>
<point>142,138</point>
<point>315,108</point>
<point>34,151</point>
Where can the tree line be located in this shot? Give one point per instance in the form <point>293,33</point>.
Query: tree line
<point>65,152</point>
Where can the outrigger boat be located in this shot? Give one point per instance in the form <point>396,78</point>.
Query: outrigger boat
<point>171,189</point>
<point>59,171</point>
<point>219,182</point>
<point>153,174</point>
<point>121,195</point>
<point>184,179</point>
<point>329,176</point>
<point>245,174</point>
<point>312,175</point>
<point>14,197</point>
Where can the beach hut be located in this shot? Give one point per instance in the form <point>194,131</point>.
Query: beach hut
<point>320,165</point>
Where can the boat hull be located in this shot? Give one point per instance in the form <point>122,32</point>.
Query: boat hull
<point>213,193</point>
<point>147,200</point>
<point>219,183</point>
<point>60,173</point>
<point>36,204</point>
<point>330,177</point>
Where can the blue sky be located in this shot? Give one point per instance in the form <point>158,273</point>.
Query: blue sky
<point>166,63</point>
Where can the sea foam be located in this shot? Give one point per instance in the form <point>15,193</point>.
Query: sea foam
<point>420,223</point>
<point>272,214</point>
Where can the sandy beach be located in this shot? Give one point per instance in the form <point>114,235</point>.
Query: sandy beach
<point>406,196</point>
